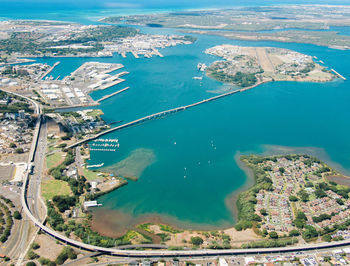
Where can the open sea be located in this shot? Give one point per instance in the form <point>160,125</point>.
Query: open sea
<point>185,163</point>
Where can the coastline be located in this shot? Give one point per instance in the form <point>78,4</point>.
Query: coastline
<point>231,199</point>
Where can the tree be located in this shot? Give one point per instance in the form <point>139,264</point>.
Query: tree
<point>35,245</point>
<point>31,263</point>
<point>263,212</point>
<point>327,238</point>
<point>294,232</point>
<point>19,150</point>
<point>293,198</point>
<point>282,170</point>
<point>32,255</point>
<point>303,195</point>
<point>17,215</point>
<point>273,235</point>
<point>196,240</point>
<point>12,145</point>
<point>320,193</point>
<point>310,232</point>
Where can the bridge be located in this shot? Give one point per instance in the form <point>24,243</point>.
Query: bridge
<point>159,115</point>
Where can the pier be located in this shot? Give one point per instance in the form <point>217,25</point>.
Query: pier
<point>340,76</point>
<point>112,94</point>
<point>161,115</point>
<point>135,55</point>
<point>49,70</point>
<point>111,84</point>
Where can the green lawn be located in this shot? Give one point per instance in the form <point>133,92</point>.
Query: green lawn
<point>51,188</point>
<point>91,175</point>
<point>95,113</point>
<point>53,159</point>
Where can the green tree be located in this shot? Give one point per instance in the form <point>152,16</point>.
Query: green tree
<point>293,198</point>
<point>17,215</point>
<point>294,232</point>
<point>196,240</point>
<point>12,145</point>
<point>273,235</point>
<point>263,212</point>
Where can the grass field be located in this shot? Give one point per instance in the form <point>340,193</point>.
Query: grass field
<point>94,113</point>
<point>91,175</point>
<point>53,159</point>
<point>51,188</point>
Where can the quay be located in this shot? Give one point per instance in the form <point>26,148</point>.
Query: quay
<point>49,70</point>
<point>112,94</point>
<point>160,115</point>
<point>340,76</point>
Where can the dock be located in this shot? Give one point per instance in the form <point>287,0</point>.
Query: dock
<point>112,94</point>
<point>340,76</point>
<point>49,70</point>
<point>123,54</point>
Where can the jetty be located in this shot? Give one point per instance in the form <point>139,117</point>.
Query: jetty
<point>112,94</point>
<point>49,70</point>
<point>340,76</point>
<point>160,115</point>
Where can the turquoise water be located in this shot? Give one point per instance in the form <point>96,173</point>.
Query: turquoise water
<point>187,168</point>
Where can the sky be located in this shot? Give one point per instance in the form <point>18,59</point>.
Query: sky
<point>140,4</point>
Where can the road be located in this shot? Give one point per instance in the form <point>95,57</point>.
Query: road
<point>34,200</point>
<point>20,246</point>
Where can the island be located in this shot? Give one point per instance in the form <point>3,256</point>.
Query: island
<point>247,66</point>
